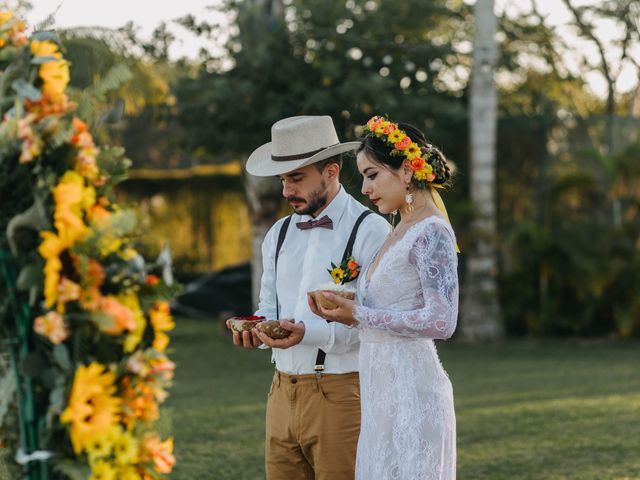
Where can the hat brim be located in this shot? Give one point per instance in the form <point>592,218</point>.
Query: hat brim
<point>261,164</point>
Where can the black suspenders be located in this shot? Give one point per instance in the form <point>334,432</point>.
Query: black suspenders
<point>348,251</point>
<point>281,235</point>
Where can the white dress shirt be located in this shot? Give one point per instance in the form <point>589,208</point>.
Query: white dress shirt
<point>303,264</point>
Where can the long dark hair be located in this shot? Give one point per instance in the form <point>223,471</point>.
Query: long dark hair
<point>380,151</point>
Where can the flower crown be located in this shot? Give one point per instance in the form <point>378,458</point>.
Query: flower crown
<point>402,144</point>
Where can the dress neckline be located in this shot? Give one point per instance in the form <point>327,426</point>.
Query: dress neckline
<point>369,274</point>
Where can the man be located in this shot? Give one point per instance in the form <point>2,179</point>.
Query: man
<point>313,407</point>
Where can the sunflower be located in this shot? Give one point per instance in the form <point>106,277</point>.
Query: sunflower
<point>92,408</point>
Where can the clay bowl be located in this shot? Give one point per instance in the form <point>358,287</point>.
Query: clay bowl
<point>244,324</point>
<point>273,329</point>
<point>326,303</point>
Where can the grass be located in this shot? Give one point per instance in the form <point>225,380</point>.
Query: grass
<point>525,409</point>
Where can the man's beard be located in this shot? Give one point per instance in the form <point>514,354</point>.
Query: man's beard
<point>317,200</point>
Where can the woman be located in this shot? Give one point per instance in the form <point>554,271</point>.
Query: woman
<point>407,298</point>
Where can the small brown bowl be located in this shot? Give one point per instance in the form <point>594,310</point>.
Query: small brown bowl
<point>244,324</point>
<point>321,300</point>
<point>273,329</point>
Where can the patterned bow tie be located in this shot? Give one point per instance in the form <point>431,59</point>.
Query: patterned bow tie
<point>324,222</point>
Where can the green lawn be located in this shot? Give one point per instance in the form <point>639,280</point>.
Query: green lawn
<point>525,409</point>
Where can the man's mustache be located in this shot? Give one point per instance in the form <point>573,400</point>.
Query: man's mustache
<point>296,199</point>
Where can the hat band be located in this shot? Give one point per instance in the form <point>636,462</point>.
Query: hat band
<point>300,156</point>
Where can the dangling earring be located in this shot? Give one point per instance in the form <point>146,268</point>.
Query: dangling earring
<point>409,199</point>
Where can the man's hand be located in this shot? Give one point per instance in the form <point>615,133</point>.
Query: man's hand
<point>297,333</point>
<point>343,313</point>
<point>247,339</point>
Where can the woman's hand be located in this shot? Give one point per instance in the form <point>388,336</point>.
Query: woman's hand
<point>343,313</point>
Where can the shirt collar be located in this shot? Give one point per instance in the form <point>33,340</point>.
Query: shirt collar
<point>334,210</point>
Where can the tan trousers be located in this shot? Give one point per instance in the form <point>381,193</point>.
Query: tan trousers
<point>312,427</point>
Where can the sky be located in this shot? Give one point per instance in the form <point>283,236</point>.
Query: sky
<point>147,14</point>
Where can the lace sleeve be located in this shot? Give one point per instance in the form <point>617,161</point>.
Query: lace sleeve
<point>434,256</point>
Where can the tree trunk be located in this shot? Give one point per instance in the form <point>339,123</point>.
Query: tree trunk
<point>480,307</point>
<point>264,195</point>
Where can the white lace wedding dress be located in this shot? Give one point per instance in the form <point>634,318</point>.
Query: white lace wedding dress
<point>408,427</point>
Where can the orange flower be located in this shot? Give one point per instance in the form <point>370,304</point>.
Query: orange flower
<point>418,164</point>
<point>51,326</point>
<point>390,127</point>
<point>152,280</point>
<point>402,144</point>
<point>68,291</point>
<point>158,452</point>
<point>98,215</point>
<point>122,318</point>
<point>373,122</point>
<point>138,401</point>
<point>352,265</point>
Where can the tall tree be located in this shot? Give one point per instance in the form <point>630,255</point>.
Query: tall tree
<point>481,312</point>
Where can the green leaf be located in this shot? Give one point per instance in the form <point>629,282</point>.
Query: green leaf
<point>62,358</point>
<point>73,470</point>
<point>49,35</point>
<point>30,276</point>
<point>43,59</point>
<point>26,90</point>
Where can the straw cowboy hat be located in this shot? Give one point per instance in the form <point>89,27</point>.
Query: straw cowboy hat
<point>297,142</point>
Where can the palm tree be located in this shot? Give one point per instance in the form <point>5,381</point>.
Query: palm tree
<point>480,308</point>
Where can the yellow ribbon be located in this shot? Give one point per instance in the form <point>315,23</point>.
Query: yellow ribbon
<point>437,199</point>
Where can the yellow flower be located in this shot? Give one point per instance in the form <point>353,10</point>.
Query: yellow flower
<point>337,274</point>
<point>130,300</point>
<point>45,48</point>
<point>102,470</point>
<point>50,250</point>
<point>125,448</point>
<point>413,151</point>
<point>92,408</point>
<point>55,76</point>
<point>424,173</point>
<point>5,17</point>
<point>396,136</point>
<point>128,473</point>
<point>99,446</point>
<point>162,322</point>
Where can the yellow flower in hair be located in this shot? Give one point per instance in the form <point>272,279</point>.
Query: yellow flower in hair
<point>396,136</point>
<point>413,151</point>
